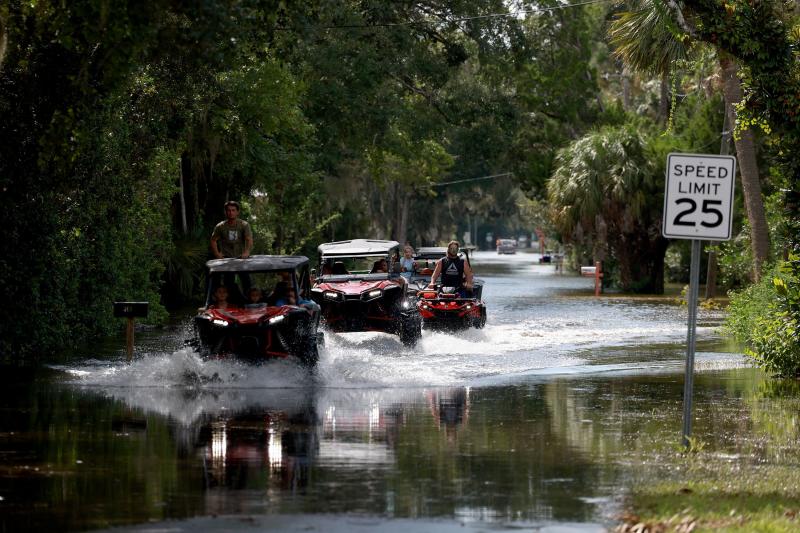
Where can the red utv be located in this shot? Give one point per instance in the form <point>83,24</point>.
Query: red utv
<point>261,326</point>
<point>359,288</point>
<point>442,307</point>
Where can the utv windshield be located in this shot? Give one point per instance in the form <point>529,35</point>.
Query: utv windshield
<point>365,267</point>
<point>253,287</point>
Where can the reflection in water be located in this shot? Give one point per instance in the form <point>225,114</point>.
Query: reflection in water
<point>535,453</point>
<point>256,449</point>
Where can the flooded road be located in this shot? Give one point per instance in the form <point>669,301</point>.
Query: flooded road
<point>541,420</point>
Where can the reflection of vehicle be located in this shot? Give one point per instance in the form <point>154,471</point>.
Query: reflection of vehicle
<point>360,289</point>
<point>262,330</point>
<point>273,445</point>
<point>547,257</point>
<point>442,307</point>
<point>506,246</point>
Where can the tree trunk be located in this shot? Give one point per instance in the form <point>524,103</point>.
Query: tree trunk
<point>625,80</point>
<point>748,168</point>
<point>184,226</point>
<point>664,100</point>
<point>404,202</point>
<point>3,42</point>
<point>711,276</point>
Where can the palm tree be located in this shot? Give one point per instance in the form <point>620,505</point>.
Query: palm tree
<point>640,40</point>
<point>648,39</point>
<point>606,189</point>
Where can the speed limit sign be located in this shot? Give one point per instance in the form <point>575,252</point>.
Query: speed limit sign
<point>698,200</point>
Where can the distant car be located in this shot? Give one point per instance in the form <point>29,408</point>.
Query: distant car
<point>440,307</point>
<point>547,257</point>
<point>263,330</point>
<point>507,246</point>
<point>355,294</point>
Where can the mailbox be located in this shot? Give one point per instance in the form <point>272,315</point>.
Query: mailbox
<point>130,309</point>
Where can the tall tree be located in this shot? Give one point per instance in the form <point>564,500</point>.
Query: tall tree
<point>607,190</point>
<point>649,40</point>
<point>644,40</point>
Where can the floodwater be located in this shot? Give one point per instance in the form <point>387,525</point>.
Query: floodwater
<point>539,421</point>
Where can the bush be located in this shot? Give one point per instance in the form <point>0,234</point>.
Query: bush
<point>764,317</point>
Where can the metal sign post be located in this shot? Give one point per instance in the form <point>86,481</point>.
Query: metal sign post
<point>698,205</point>
<point>691,300</point>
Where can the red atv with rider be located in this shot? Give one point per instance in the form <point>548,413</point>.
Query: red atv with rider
<point>447,307</point>
<point>359,288</point>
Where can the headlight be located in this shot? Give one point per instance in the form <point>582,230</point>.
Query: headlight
<point>469,306</point>
<point>219,322</point>
<point>331,295</point>
<point>371,295</point>
<point>405,304</point>
<point>276,319</point>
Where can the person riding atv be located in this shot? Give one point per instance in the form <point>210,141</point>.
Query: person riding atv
<point>455,272</point>
<point>454,304</point>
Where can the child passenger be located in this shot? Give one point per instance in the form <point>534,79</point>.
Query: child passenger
<point>292,299</point>
<point>407,262</point>
<point>254,297</point>
<point>221,297</point>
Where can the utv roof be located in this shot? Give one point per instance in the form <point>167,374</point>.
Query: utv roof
<point>257,263</point>
<point>435,252</point>
<point>357,248</point>
<point>430,252</point>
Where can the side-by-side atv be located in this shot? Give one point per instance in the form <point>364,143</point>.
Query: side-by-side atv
<point>359,288</point>
<point>256,321</point>
<point>441,307</point>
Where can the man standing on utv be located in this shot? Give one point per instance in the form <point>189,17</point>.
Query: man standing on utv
<point>454,270</point>
<point>233,238</point>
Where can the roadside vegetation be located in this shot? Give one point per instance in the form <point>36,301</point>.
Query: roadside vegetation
<point>127,125</point>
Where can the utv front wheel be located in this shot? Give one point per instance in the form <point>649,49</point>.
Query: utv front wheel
<point>310,354</point>
<point>410,332</point>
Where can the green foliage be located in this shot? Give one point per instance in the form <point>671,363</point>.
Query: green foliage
<point>605,193</point>
<point>184,265</point>
<point>763,37</point>
<point>87,160</point>
<point>764,318</point>
<point>647,38</point>
<point>736,257</point>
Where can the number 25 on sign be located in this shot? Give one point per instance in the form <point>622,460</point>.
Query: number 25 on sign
<point>699,197</point>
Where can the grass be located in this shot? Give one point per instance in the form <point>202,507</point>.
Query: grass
<point>716,495</point>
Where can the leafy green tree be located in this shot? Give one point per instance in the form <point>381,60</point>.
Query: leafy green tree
<point>648,39</point>
<point>89,160</point>
<point>606,190</point>
<point>556,88</point>
<point>763,37</point>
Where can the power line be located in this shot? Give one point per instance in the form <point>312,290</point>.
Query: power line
<point>450,21</point>
<point>472,179</point>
